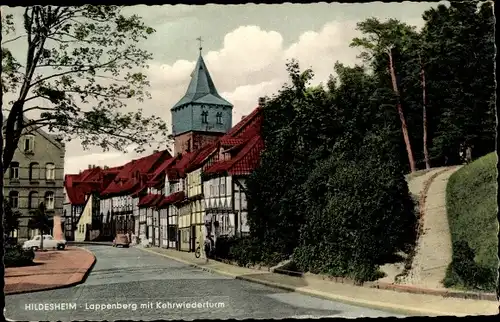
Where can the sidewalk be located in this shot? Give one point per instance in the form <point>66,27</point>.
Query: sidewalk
<point>405,303</point>
<point>53,269</point>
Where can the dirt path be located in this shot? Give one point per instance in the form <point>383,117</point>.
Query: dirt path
<point>434,250</point>
<point>416,185</point>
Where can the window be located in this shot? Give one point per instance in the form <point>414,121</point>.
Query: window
<point>29,142</point>
<point>211,190</point>
<point>34,171</point>
<point>204,117</point>
<point>37,238</point>
<point>50,171</point>
<point>222,189</point>
<point>14,171</point>
<point>48,237</point>
<point>14,199</point>
<point>33,200</point>
<point>219,118</point>
<point>49,200</point>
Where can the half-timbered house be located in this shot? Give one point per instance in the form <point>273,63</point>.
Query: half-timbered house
<point>224,177</point>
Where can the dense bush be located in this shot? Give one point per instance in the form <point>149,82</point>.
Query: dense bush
<point>466,272</point>
<point>16,256</point>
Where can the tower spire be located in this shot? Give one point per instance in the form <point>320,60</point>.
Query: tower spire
<point>200,40</point>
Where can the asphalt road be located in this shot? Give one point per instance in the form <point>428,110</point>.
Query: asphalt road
<point>151,287</point>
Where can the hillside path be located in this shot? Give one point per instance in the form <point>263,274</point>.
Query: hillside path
<point>434,249</point>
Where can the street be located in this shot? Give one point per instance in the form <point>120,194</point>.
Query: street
<point>134,284</point>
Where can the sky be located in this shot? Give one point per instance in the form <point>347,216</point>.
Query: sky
<point>245,48</point>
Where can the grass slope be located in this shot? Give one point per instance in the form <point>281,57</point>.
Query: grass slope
<point>472,213</point>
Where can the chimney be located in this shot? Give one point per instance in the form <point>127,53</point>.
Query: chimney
<point>243,117</point>
<point>90,166</point>
<point>262,101</point>
<point>105,167</point>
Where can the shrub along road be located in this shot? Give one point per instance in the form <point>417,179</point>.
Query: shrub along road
<point>136,277</point>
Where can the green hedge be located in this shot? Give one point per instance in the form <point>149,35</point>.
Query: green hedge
<point>472,214</point>
<point>16,257</point>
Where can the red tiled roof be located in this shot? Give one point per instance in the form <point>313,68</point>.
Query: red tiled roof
<point>171,199</point>
<point>179,169</point>
<point>244,162</point>
<point>79,185</point>
<point>201,155</point>
<point>241,129</point>
<point>149,200</point>
<point>158,174</point>
<point>131,177</point>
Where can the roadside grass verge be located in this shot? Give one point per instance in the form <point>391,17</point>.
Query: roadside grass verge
<point>472,214</point>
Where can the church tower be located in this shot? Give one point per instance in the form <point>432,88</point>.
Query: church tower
<point>202,115</point>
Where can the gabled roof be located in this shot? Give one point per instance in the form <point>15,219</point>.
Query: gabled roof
<point>201,89</point>
<point>159,173</point>
<point>201,155</point>
<point>171,199</point>
<point>133,175</point>
<point>179,169</point>
<point>78,186</point>
<point>149,200</point>
<point>49,137</point>
<point>244,129</point>
<point>244,162</point>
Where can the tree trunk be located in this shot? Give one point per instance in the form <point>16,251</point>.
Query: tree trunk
<point>424,111</point>
<point>404,127</point>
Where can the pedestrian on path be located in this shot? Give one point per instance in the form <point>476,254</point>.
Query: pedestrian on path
<point>208,247</point>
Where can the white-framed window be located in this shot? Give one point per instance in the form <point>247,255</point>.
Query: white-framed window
<point>50,171</point>
<point>211,190</point>
<point>219,118</point>
<point>29,143</point>
<point>14,199</point>
<point>49,200</point>
<point>222,189</point>
<point>14,171</point>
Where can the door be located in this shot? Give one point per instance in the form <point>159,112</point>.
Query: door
<point>193,238</point>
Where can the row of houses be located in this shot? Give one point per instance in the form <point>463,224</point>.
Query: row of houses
<point>173,202</point>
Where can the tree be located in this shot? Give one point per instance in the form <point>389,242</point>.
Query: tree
<point>10,219</point>
<point>82,65</point>
<point>40,220</point>
<point>384,39</point>
<point>459,39</point>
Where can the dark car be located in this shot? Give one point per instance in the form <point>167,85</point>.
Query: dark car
<point>121,240</point>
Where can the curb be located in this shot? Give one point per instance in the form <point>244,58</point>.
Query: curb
<point>56,287</point>
<point>400,309</point>
<point>90,243</point>
<point>436,292</point>
<point>394,308</point>
<point>203,268</point>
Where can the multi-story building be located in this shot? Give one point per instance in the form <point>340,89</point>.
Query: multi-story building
<point>35,175</point>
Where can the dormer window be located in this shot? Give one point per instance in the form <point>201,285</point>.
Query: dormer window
<point>204,117</point>
<point>219,118</point>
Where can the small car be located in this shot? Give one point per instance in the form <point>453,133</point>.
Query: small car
<point>48,242</point>
<point>121,240</point>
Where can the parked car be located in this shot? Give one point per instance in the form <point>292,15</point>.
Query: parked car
<point>121,240</point>
<point>48,242</point>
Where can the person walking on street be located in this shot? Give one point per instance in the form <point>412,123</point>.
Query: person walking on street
<point>208,246</point>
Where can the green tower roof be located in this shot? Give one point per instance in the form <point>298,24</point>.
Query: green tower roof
<point>201,89</point>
